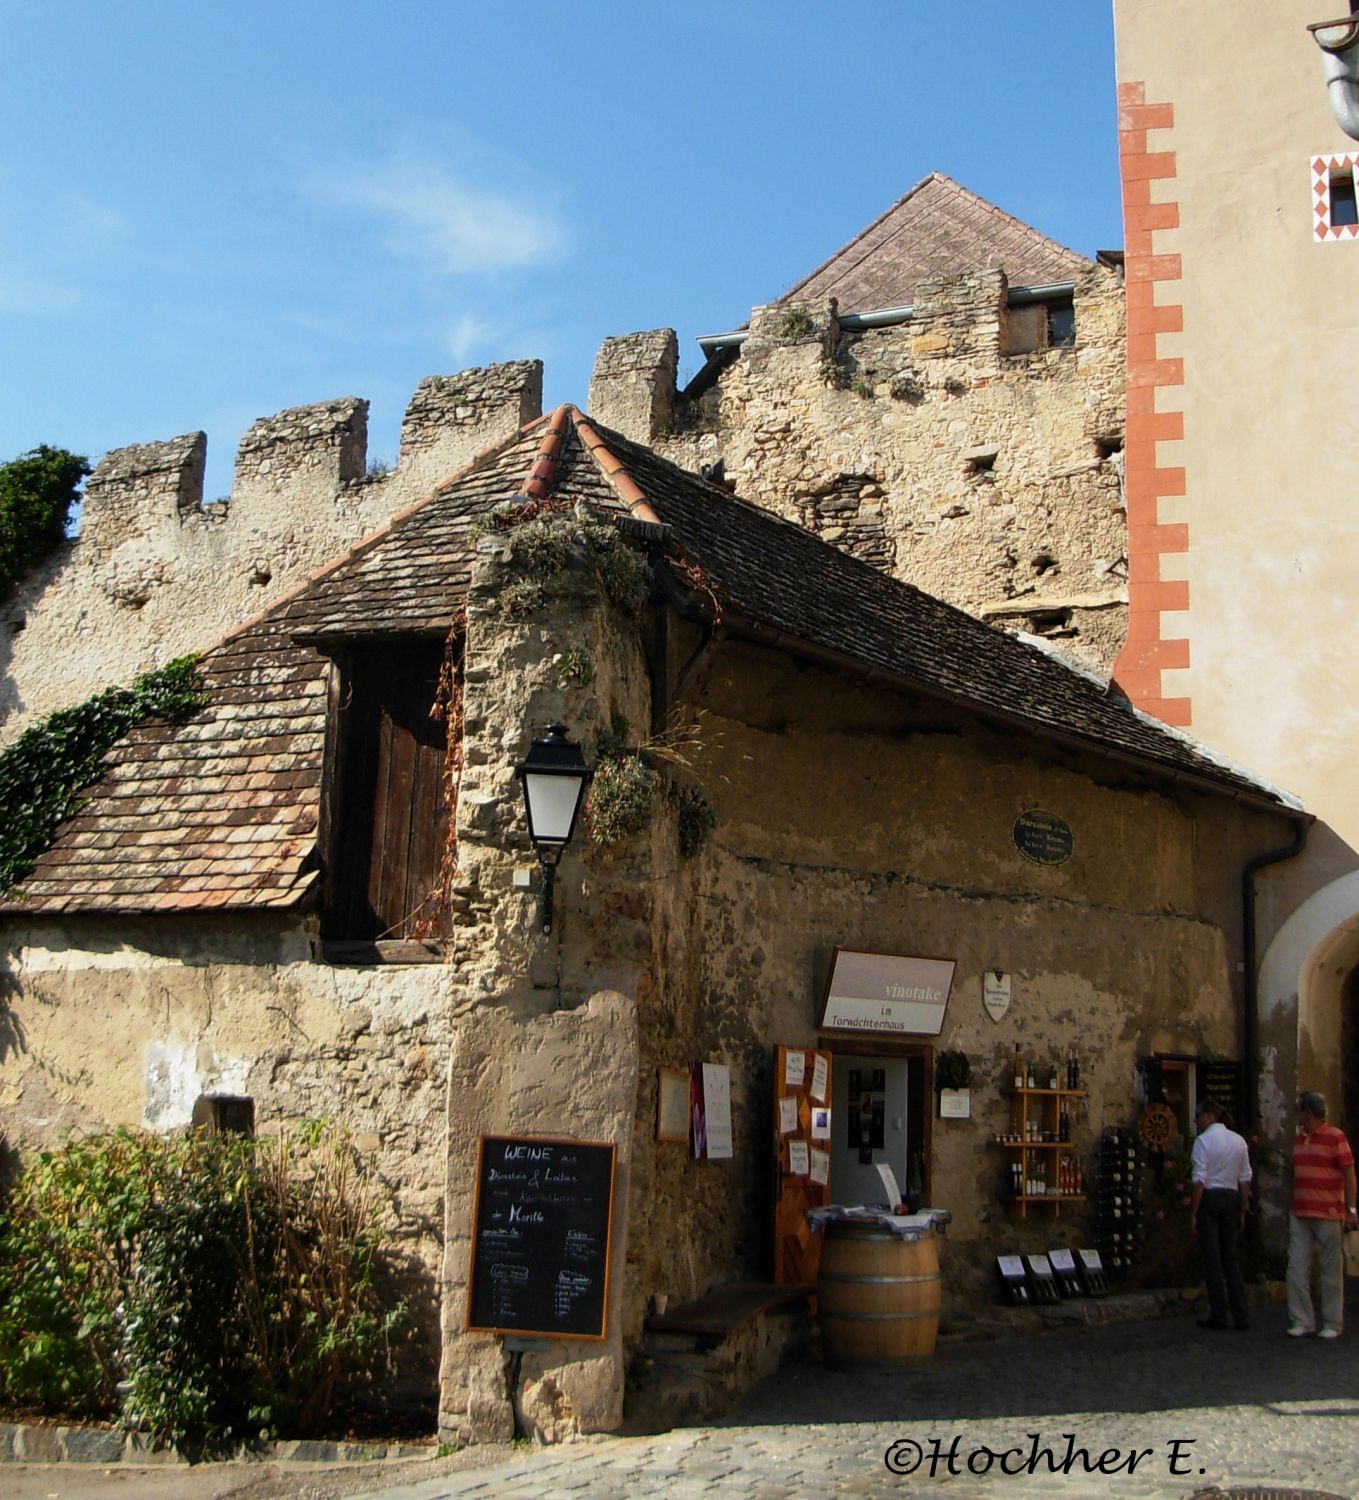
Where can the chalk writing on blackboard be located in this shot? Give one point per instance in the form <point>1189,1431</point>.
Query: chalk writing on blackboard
<point>541,1236</point>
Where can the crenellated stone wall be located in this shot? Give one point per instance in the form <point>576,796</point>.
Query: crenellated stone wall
<point>155,572</point>
<point>956,449</point>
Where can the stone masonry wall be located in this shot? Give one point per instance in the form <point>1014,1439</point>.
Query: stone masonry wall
<point>110,1022</point>
<point>155,572</point>
<point>955,450</point>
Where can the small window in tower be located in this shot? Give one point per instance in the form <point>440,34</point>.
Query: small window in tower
<point>1335,211</point>
<point>1061,325</point>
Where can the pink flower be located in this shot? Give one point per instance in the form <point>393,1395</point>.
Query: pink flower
<point>1179,1188</point>
<point>1160,1213</point>
<point>1167,1165</point>
<point>1185,1201</point>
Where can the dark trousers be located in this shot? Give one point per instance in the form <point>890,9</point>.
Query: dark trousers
<point>1219,1239</point>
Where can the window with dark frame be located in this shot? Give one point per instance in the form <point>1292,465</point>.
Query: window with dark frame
<point>225,1114</point>
<point>1344,208</point>
<point>1061,325</point>
<point>388,816</point>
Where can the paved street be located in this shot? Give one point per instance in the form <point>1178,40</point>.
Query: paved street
<point>1183,1408</point>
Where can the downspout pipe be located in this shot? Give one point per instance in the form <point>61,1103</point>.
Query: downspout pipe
<point>1339,43</point>
<point>1250,1002</point>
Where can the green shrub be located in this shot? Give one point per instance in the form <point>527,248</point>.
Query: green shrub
<point>623,796</point>
<point>696,818</point>
<point>229,1283</point>
<point>37,491</point>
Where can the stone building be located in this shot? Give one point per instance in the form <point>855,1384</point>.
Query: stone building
<point>1240,472</point>
<point>942,398</point>
<point>263,900</point>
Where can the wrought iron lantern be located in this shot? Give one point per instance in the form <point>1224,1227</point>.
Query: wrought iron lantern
<point>554,776</point>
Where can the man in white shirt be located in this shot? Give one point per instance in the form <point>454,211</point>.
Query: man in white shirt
<point>1221,1193</point>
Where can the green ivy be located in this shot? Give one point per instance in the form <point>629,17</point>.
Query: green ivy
<point>37,491</point>
<point>43,773</point>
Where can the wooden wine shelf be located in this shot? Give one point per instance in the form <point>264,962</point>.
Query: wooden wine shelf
<point>1046,1112</point>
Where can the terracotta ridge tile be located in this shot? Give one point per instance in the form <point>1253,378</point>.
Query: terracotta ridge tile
<point>543,471</point>
<point>614,470</point>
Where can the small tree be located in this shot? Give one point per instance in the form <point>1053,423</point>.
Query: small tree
<point>37,491</point>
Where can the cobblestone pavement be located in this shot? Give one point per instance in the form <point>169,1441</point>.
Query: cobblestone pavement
<point>1169,1408</point>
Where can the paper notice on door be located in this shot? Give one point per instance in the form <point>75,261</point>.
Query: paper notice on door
<point>821,1125</point>
<point>820,1078</point>
<point>794,1069</point>
<point>820,1166</point>
<point>797,1158</point>
<point>889,1184</point>
<point>787,1115</point>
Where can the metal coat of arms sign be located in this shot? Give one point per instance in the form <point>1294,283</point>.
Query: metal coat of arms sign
<point>995,993</point>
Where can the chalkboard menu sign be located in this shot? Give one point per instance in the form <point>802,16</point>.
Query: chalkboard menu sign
<point>542,1230</point>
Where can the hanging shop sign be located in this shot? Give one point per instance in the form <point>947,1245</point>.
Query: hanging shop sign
<point>1043,837</point>
<point>886,994</point>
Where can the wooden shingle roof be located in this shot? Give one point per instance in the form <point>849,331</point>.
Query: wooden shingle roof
<point>221,811</point>
<point>939,228</point>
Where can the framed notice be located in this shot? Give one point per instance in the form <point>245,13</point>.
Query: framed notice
<point>542,1235</point>
<point>672,1105</point>
<point>886,994</point>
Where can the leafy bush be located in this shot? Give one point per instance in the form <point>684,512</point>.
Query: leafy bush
<point>696,818</point>
<point>229,1283</point>
<point>623,795</point>
<point>44,771</point>
<point>37,491</point>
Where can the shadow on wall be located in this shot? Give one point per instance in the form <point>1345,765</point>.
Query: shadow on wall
<point>12,1038</point>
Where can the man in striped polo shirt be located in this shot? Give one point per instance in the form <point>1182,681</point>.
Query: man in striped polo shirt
<point>1322,1206</point>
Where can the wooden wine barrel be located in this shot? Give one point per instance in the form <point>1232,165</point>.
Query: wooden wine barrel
<point>877,1296</point>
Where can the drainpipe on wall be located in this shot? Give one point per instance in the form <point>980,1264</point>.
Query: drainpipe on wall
<point>1250,1019</point>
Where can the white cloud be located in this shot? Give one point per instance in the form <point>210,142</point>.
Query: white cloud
<point>448,226</point>
<point>467,334</point>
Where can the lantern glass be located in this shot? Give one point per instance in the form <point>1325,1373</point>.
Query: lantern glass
<point>552,801</point>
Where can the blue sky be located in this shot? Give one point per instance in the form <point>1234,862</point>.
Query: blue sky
<point>210,212</point>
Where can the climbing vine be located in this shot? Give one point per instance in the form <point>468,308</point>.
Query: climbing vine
<point>37,491</point>
<point>448,710</point>
<point>44,771</point>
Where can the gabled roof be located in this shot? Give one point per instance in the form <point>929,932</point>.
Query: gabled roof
<point>221,811</point>
<point>938,229</point>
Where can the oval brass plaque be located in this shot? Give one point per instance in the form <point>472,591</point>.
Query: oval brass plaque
<point>1043,837</point>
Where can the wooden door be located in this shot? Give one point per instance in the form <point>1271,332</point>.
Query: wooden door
<point>797,1251</point>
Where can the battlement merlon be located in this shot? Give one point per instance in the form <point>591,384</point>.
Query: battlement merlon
<point>632,388</point>
<point>135,483</point>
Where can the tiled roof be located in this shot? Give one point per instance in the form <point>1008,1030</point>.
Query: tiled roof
<point>221,811</point>
<point>938,229</point>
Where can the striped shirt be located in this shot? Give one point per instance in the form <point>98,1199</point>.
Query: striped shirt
<point>1318,1186</point>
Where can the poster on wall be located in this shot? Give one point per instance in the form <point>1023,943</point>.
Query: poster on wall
<point>886,994</point>
<point>672,1105</point>
<point>717,1102</point>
